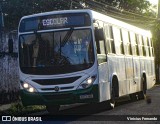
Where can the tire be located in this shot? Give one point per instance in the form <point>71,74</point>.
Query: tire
<point>112,102</point>
<point>53,109</point>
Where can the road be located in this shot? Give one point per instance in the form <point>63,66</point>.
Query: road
<point>125,110</point>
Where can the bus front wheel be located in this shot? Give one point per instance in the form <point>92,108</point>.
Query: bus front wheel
<point>53,109</point>
<point>114,94</point>
<point>112,100</point>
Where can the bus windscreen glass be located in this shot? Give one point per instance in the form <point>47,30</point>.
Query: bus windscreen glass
<point>56,52</point>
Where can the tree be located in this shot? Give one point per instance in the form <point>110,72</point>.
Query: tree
<point>15,9</point>
<point>156,42</point>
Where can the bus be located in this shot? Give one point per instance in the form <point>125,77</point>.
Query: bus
<point>82,56</point>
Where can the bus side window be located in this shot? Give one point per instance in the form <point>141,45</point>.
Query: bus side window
<point>109,38</point>
<point>140,45</point>
<point>146,46</point>
<point>134,43</point>
<point>118,40</point>
<point>102,56</point>
<point>100,43</point>
<point>126,42</point>
<point>101,50</point>
<point>148,53</point>
<point>151,47</point>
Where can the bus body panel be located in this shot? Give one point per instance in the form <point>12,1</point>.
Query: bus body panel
<point>132,67</point>
<point>127,69</point>
<point>136,77</point>
<point>49,96</point>
<point>104,83</point>
<point>129,74</point>
<point>61,98</point>
<point>116,66</point>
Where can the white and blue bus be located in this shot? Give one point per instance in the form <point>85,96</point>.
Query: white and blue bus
<point>82,56</point>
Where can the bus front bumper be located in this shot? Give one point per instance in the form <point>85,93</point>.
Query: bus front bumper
<point>90,95</point>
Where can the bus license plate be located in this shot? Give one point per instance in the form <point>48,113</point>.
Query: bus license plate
<point>86,96</point>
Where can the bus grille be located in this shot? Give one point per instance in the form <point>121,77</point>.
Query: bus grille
<point>61,88</point>
<point>56,81</point>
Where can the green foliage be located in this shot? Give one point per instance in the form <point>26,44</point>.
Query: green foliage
<point>15,9</point>
<point>19,109</point>
<point>138,6</point>
<point>156,42</point>
<point>156,37</point>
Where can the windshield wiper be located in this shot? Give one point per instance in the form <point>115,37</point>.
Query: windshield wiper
<point>66,37</point>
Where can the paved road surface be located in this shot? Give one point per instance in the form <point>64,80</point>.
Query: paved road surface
<point>98,113</point>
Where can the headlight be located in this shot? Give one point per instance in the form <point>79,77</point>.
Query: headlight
<point>28,87</point>
<point>87,83</point>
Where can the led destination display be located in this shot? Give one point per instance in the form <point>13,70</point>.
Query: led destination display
<point>54,21</point>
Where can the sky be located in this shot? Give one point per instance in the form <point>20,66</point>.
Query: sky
<point>154,5</point>
<point>153,1</point>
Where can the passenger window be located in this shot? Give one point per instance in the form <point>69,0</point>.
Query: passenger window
<point>134,43</point>
<point>146,46</point>
<point>118,40</point>
<point>109,38</point>
<point>101,49</point>
<point>126,42</point>
<point>140,45</point>
<point>151,47</point>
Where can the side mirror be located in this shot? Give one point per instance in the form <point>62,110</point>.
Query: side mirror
<point>99,34</point>
<point>10,45</point>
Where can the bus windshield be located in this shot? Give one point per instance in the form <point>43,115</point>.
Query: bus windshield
<point>56,52</point>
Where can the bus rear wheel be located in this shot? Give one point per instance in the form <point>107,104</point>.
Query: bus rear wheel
<point>53,109</point>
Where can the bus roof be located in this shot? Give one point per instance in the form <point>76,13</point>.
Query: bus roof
<point>58,12</point>
<point>98,16</point>
<point>120,24</point>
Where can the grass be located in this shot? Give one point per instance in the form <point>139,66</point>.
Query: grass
<point>19,109</point>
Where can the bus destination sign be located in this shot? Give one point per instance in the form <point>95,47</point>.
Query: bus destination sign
<point>54,21</point>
